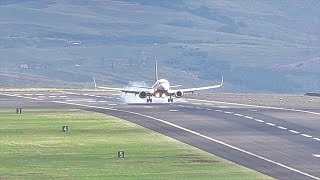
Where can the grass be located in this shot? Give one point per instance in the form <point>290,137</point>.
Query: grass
<point>33,147</point>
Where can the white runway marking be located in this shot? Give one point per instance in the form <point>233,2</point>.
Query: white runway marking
<point>260,106</point>
<point>91,101</point>
<point>102,101</point>
<point>181,105</point>
<point>253,110</point>
<point>39,94</point>
<point>28,94</point>
<point>316,155</point>
<point>248,117</point>
<point>208,109</point>
<point>280,127</point>
<point>293,131</point>
<point>91,95</point>
<point>17,94</point>
<point>99,96</point>
<point>85,94</point>
<point>63,96</point>
<point>173,110</point>
<point>223,107</point>
<point>317,139</point>
<point>112,104</point>
<point>227,112</point>
<point>270,124</point>
<point>240,115</point>
<point>259,120</point>
<point>218,110</point>
<point>198,108</point>
<point>118,98</point>
<point>200,135</point>
<point>196,103</point>
<point>110,97</point>
<point>52,96</point>
<point>306,135</point>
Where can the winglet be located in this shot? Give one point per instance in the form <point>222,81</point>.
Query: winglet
<point>95,84</point>
<point>221,82</point>
<point>156,71</point>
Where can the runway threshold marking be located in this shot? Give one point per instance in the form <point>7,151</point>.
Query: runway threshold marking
<point>197,134</point>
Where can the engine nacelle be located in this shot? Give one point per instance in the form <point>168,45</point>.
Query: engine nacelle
<point>142,94</point>
<point>179,94</point>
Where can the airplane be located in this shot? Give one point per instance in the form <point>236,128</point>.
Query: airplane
<point>160,89</point>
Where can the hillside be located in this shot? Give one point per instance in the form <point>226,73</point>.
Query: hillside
<point>261,46</point>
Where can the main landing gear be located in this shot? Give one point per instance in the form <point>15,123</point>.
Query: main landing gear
<point>170,99</point>
<point>149,100</point>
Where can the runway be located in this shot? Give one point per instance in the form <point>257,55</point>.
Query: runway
<point>283,142</point>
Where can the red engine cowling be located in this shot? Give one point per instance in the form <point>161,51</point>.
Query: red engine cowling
<point>179,94</point>
<point>142,94</point>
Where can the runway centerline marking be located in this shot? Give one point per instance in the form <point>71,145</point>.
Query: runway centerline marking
<point>317,139</point>
<point>197,134</point>
<point>316,155</point>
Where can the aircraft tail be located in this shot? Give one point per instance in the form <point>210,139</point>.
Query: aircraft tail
<point>156,71</point>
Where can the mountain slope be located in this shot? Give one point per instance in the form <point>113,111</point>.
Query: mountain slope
<point>258,46</point>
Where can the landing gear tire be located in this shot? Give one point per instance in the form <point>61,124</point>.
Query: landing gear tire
<point>170,100</point>
<point>149,100</point>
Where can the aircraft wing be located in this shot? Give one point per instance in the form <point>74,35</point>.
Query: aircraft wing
<point>125,90</point>
<point>191,90</point>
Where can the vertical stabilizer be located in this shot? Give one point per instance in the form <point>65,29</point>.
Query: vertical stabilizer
<point>156,71</point>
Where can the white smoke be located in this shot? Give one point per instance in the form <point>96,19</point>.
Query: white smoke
<point>131,98</point>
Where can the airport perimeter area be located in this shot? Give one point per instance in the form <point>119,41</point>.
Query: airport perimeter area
<point>282,141</point>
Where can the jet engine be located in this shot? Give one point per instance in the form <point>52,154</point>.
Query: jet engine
<point>142,94</point>
<point>179,94</point>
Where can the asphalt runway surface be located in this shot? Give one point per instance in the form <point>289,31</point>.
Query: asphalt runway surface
<point>282,142</point>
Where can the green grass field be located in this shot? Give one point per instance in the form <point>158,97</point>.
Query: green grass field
<point>33,147</point>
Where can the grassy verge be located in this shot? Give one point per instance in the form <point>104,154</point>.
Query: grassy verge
<point>33,147</point>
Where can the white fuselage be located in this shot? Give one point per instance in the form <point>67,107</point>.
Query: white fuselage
<point>161,88</point>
